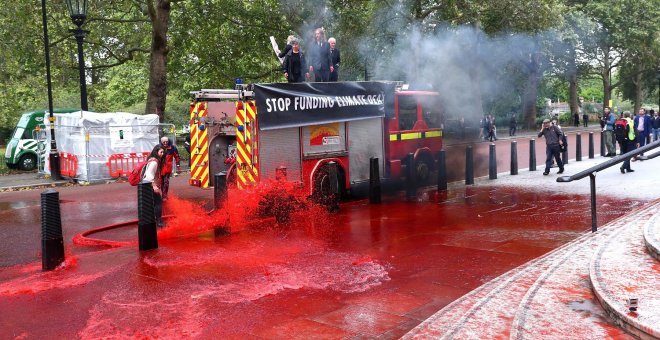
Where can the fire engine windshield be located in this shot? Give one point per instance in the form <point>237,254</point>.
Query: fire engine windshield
<point>407,112</point>
<point>18,133</point>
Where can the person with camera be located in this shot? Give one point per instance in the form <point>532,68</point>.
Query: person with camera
<point>553,142</point>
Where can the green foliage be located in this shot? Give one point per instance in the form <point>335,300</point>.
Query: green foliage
<point>212,42</point>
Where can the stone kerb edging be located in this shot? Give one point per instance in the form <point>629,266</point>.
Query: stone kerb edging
<point>556,296</point>
<point>496,302</point>
<point>621,269</point>
<point>652,237</point>
<point>451,319</point>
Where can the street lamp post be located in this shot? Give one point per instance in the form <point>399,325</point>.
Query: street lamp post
<point>78,13</point>
<point>54,157</point>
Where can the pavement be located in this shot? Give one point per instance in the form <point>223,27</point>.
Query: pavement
<point>514,253</point>
<point>32,180</point>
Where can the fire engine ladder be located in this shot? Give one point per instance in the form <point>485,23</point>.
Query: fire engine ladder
<point>241,93</point>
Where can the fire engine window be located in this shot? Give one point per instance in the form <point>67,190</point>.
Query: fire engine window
<point>407,112</point>
<point>432,113</point>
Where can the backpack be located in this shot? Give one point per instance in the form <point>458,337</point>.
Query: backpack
<point>621,130</point>
<point>135,176</point>
<point>561,136</point>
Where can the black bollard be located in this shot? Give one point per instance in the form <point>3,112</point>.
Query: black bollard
<point>564,155</point>
<point>219,189</point>
<point>219,197</point>
<point>469,170</point>
<point>578,147</point>
<point>333,204</point>
<point>411,176</point>
<point>532,155</point>
<point>602,143</point>
<point>591,145</point>
<point>514,157</point>
<point>147,236</point>
<point>442,171</point>
<point>374,181</point>
<point>52,243</point>
<point>492,162</point>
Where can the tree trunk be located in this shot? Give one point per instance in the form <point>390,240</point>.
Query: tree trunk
<point>606,90</point>
<point>159,13</point>
<point>605,74</point>
<point>531,91</point>
<point>637,81</point>
<point>572,84</point>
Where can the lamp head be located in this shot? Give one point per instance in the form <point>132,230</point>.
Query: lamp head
<point>77,11</point>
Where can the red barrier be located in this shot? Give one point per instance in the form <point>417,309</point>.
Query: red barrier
<point>121,164</point>
<point>68,164</point>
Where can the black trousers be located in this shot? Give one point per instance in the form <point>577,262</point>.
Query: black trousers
<point>626,146</point>
<point>158,208</point>
<point>334,76</point>
<point>553,150</point>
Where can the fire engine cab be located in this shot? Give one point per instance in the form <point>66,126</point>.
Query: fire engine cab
<point>257,132</point>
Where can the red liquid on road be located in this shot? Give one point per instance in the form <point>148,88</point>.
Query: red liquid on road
<point>369,270</point>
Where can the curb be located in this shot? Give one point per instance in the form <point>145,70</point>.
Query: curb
<point>36,186</point>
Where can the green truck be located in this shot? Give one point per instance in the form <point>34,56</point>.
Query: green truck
<point>25,146</point>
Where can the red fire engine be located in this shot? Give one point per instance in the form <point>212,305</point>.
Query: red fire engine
<point>303,127</point>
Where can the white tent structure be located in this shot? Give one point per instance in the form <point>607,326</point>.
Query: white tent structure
<point>92,138</point>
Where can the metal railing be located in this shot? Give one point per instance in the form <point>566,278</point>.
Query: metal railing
<point>591,172</point>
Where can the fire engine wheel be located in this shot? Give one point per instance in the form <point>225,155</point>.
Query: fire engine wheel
<point>322,189</point>
<point>27,162</point>
<point>423,170</point>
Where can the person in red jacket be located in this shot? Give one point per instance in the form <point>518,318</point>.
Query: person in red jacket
<point>171,153</point>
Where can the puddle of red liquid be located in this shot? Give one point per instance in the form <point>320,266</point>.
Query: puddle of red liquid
<point>267,273</point>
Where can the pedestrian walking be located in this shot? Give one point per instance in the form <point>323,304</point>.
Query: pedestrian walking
<point>642,125</point>
<point>627,142</point>
<point>655,126</point>
<point>553,136</point>
<point>513,124</point>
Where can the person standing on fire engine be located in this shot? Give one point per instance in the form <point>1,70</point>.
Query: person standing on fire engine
<point>335,59</point>
<point>152,173</point>
<point>553,144</point>
<point>171,153</point>
<point>320,57</point>
<point>287,48</point>
<point>294,64</point>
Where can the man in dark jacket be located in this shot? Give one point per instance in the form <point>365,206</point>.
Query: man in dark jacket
<point>642,127</point>
<point>553,144</point>
<point>320,57</point>
<point>294,64</point>
<point>335,59</point>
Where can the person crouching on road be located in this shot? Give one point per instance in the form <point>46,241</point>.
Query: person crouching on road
<point>171,154</point>
<point>553,144</point>
<point>152,174</point>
